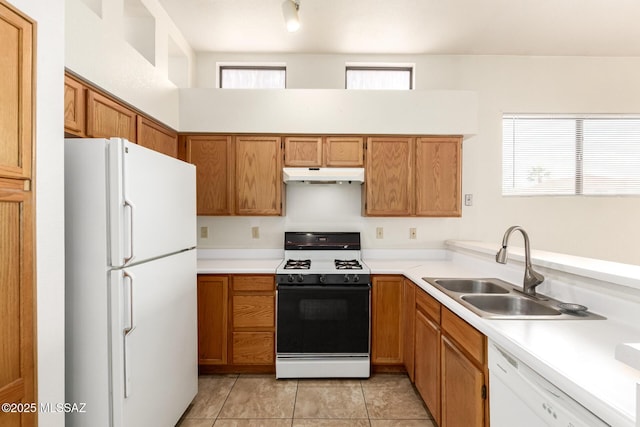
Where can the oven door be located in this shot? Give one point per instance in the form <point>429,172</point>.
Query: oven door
<point>323,320</point>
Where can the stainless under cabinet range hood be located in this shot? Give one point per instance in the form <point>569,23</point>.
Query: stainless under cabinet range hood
<point>323,175</point>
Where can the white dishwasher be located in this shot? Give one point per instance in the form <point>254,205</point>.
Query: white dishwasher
<point>518,396</point>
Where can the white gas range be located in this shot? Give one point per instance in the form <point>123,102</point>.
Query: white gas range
<point>323,307</point>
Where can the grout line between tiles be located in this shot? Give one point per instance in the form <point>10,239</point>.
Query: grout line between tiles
<point>235,381</point>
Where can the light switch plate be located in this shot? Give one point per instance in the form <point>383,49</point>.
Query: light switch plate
<point>379,233</point>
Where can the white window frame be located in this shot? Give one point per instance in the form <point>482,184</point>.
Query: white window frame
<point>381,67</point>
<point>249,66</point>
<point>578,151</point>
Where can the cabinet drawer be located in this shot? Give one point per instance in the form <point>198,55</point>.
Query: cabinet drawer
<point>253,283</point>
<point>253,311</point>
<point>253,348</point>
<point>465,335</point>
<point>428,305</point>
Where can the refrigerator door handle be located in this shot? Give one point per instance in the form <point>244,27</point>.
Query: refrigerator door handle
<point>129,206</point>
<point>128,283</point>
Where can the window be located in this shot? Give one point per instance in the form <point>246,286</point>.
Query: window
<point>252,77</point>
<point>570,155</point>
<point>393,78</point>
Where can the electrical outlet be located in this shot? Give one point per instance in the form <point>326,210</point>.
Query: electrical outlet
<point>412,233</point>
<point>204,232</point>
<point>379,233</point>
<point>255,232</point>
<point>468,199</point>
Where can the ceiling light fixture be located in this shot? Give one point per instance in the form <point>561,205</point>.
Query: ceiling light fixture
<point>290,12</point>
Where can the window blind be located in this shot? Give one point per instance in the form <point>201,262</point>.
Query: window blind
<point>252,77</point>
<point>570,155</point>
<point>379,78</point>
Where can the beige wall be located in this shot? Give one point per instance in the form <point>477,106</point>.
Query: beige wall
<point>599,227</point>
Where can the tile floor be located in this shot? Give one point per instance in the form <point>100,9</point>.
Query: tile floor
<point>384,400</point>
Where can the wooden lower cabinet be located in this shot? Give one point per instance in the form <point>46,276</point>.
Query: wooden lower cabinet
<point>236,323</point>
<point>450,360</point>
<point>409,327</point>
<point>427,363</point>
<point>213,299</point>
<point>386,320</point>
<point>253,348</point>
<point>463,398</point>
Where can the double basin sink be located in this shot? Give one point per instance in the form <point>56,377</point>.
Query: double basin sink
<point>497,299</point>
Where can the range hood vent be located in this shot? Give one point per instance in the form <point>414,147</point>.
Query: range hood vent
<point>323,175</point>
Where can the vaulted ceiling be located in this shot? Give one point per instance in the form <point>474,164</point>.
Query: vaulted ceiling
<point>502,27</point>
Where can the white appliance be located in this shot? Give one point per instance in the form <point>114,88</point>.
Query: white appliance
<point>130,315</point>
<point>323,175</point>
<point>323,306</point>
<point>519,396</point>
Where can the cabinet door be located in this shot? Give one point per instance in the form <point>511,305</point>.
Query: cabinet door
<point>74,107</point>
<point>253,348</point>
<point>213,157</point>
<point>344,151</point>
<point>389,180</point>
<point>462,389</point>
<point>386,320</point>
<point>438,176</point>
<point>106,118</point>
<point>427,363</point>
<point>17,304</point>
<point>156,137</point>
<point>253,311</point>
<point>258,175</point>
<point>408,326</point>
<point>213,304</point>
<point>303,151</point>
<point>16,94</point>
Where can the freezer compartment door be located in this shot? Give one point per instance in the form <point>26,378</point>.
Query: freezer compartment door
<point>152,203</point>
<point>154,361</point>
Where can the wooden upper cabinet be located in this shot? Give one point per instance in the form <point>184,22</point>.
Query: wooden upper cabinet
<point>107,118</point>
<point>303,151</point>
<point>156,137</point>
<point>258,171</point>
<point>438,176</point>
<point>16,94</point>
<point>344,151</point>
<point>213,157</point>
<point>389,176</point>
<point>74,107</point>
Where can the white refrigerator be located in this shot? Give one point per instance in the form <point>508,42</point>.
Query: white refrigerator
<point>131,310</point>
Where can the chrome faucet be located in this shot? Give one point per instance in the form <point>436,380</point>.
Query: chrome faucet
<point>531,277</point>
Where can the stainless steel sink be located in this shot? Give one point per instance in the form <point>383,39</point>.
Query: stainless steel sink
<point>510,305</point>
<point>474,286</point>
<point>496,299</point>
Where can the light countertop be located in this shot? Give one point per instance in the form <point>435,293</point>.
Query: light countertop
<point>578,356</point>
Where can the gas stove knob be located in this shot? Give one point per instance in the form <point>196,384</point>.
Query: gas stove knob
<point>346,278</point>
<point>356,278</point>
<point>290,278</point>
<point>323,278</point>
<point>299,278</point>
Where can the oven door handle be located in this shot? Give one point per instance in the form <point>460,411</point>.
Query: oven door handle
<point>359,287</point>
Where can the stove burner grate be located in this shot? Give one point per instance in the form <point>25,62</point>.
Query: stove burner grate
<point>298,264</point>
<point>347,264</point>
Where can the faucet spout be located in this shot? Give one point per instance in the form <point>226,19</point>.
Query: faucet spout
<point>531,277</point>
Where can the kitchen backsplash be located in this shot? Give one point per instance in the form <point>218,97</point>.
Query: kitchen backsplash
<point>320,207</point>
